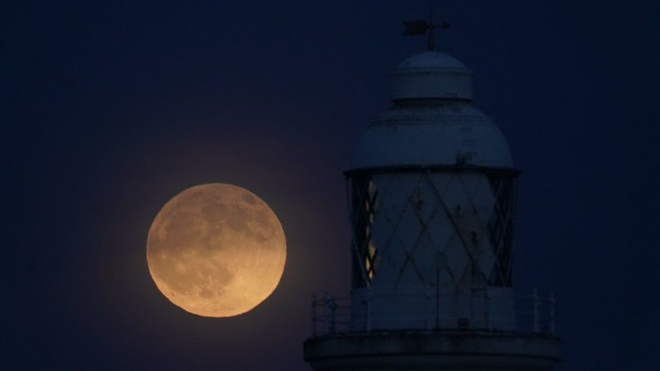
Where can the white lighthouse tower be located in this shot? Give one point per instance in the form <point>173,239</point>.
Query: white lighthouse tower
<point>431,194</point>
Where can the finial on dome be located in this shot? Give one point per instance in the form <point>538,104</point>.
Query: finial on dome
<point>420,27</point>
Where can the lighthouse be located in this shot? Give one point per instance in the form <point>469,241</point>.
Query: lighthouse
<point>431,193</point>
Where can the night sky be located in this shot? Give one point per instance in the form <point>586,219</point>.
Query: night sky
<point>108,109</point>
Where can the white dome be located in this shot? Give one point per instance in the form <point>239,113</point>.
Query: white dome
<point>432,60</point>
<point>432,75</point>
<point>442,134</point>
<point>432,122</point>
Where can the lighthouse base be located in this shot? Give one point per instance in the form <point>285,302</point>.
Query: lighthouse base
<point>465,351</point>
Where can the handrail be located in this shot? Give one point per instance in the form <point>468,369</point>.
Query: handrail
<point>331,315</point>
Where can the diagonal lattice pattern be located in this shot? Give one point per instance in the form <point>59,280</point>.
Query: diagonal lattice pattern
<point>432,227</point>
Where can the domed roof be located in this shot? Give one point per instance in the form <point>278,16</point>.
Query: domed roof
<point>431,60</point>
<point>432,121</point>
<point>440,134</point>
<point>432,75</point>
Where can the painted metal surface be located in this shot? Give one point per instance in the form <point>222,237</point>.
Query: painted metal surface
<point>457,351</point>
<point>432,133</point>
<point>444,234</point>
<point>432,121</point>
<point>431,75</point>
<point>432,201</point>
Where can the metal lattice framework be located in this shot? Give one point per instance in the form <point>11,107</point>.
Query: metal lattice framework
<point>429,196</point>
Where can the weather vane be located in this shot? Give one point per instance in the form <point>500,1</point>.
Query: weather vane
<point>420,27</point>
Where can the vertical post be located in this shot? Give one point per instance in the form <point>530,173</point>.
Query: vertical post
<point>314,315</point>
<point>437,286</point>
<point>535,298</point>
<point>552,313</point>
<point>489,325</point>
<point>326,312</point>
<point>333,314</point>
<point>369,309</point>
<point>427,304</point>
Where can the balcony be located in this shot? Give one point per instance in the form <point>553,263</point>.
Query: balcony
<point>335,315</point>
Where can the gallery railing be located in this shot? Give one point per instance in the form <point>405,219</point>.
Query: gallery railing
<point>333,315</point>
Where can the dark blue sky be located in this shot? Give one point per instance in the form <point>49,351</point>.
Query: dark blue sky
<point>108,109</point>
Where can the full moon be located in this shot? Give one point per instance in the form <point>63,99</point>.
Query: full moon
<point>216,250</point>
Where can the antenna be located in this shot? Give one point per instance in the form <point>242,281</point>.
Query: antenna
<point>416,28</point>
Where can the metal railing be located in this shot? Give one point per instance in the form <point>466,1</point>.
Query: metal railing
<point>332,315</point>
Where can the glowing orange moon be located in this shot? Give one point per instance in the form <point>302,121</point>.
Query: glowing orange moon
<point>216,250</point>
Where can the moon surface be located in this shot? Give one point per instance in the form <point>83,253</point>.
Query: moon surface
<point>216,250</point>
